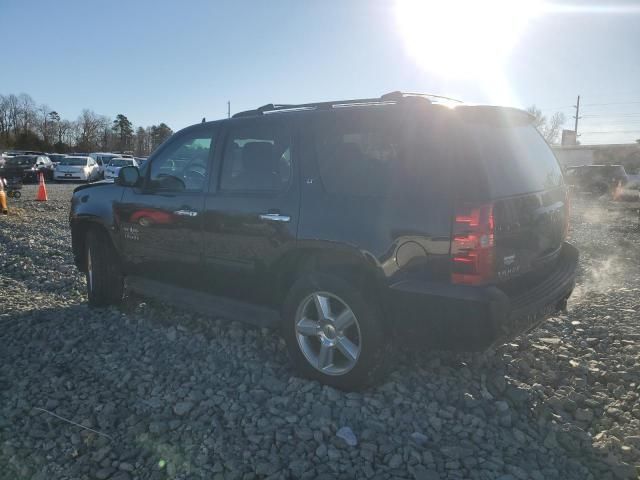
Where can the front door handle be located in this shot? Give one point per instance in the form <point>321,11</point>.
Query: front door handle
<point>186,213</point>
<point>274,217</point>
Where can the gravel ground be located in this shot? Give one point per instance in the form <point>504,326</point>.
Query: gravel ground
<point>170,394</point>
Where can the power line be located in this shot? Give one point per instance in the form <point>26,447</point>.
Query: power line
<point>611,103</point>
<point>614,115</point>
<point>610,132</point>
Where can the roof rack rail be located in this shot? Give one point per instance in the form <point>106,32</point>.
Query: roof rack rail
<point>398,95</point>
<point>387,98</point>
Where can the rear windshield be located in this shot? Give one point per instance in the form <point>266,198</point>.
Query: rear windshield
<point>612,170</point>
<point>120,163</point>
<point>516,158</point>
<point>16,161</point>
<point>73,161</point>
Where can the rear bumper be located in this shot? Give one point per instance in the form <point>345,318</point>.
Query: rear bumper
<point>72,176</point>
<point>463,317</point>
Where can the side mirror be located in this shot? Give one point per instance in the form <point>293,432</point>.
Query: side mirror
<point>128,176</point>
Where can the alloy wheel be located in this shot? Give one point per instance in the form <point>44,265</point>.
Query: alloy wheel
<point>328,333</point>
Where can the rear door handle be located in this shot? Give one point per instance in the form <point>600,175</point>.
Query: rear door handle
<point>186,213</point>
<point>275,217</point>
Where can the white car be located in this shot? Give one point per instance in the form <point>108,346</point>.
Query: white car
<point>103,159</point>
<point>77,168</point>
<point>113,169</point>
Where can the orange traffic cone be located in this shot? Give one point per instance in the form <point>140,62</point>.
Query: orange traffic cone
<point>42,190</point>
<point>3,198</point>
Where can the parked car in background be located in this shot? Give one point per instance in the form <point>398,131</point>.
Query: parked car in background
<point>84,169</point>
<point>56,157</point>
<point>141,161</point>
<point>27,167</point>
<point>113,168</point>
<point>345,224</point>
<point>103,159</point>
<point>597,179</point>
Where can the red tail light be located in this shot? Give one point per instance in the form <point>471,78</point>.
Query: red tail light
<point>472,248</point>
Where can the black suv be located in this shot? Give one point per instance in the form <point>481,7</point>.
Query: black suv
<point>346,224</point>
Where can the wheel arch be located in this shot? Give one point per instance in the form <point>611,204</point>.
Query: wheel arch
<point>79,230</point>
<point>345,261</point>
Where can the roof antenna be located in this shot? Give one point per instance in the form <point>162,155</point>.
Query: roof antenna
<point>204,119</point>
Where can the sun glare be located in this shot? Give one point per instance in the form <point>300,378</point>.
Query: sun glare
<point>463,38</point>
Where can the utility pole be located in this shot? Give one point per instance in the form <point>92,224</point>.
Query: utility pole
<point>229,108</point>
<point>577,116</point>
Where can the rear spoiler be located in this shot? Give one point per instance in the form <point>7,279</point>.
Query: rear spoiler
<point>493,114</point>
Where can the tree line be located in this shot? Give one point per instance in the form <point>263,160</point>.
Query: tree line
<point>25,125</point>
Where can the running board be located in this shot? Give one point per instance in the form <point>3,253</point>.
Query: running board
<point>204,303</point>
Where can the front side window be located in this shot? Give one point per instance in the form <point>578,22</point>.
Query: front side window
<point>257,158</point>
<point>183,164</point>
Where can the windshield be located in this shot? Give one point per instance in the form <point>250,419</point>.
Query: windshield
<point>20,161</point>
<point>120,163</point>
<point>77,162</point>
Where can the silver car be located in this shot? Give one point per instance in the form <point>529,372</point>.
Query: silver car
<point>76,168</point>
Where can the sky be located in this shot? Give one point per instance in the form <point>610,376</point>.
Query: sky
<point>179,61</point>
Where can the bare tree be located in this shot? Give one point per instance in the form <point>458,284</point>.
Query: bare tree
<point>551,128</point>
<point>27,112</point>
<point>4,118</point>
<point>141,141</point>
<point>13,112</point>
<point>63,129</point>
<point>90,127</point>
<point>44,124</point>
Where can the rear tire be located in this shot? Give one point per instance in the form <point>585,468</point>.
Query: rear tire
<point>346,350</point>
<point>105,283</point>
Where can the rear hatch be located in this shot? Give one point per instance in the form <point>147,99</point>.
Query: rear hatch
<point>519,181</point>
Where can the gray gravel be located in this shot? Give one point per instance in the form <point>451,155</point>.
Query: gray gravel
<point>170,394</point>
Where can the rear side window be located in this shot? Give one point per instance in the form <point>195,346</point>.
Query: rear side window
<point>516,158</point>
<point>257,158</point>
<point>357,153</point>
<point>381,153</point>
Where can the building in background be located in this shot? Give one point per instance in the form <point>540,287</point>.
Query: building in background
<point>569,138</point>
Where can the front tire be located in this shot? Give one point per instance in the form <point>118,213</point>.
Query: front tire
<point>105,283</point>
<point>334,332</point>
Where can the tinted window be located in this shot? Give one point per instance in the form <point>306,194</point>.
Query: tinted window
<point>379,153</point>
<point>73,161</point>
<point>21,160</point>
<point>118,162</point>
<point>516,158</point>
<point>257,158</point>
<point>183,164</point>
<point>357,153</point>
